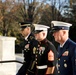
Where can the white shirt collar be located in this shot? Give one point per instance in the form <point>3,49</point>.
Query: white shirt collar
<point>63,44</point>
<point>27,37</point>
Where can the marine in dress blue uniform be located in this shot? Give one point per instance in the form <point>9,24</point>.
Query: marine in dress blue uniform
<point>45,53</point>
<point>66,55</point>
<point>26,47</point>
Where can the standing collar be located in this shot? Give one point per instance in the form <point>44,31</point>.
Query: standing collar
<point>26,38</point>
<point>63,44</point>
<point>43,41</point>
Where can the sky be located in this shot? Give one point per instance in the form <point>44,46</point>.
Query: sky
<point>3,0</point>
<point>51,2</point>
<point>63,2</point>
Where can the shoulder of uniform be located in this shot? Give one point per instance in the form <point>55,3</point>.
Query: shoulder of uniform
<point>51,46</point>
<point>72,43</point>
<point>32,37</point>
<point>50,43</point>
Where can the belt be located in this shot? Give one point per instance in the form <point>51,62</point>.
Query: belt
<point>41,67</point>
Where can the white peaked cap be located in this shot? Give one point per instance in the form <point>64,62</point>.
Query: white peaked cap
<point>41,27</point>
<point>59,23</point>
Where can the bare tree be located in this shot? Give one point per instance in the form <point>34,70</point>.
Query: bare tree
<point>7,17</point>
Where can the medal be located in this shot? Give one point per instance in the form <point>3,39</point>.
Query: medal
<point>34,49</point>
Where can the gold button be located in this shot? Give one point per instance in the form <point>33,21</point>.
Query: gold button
<point>38,45</point>
<point>64,60</point>
<point>36,59</point>
<point>36,55</point>
<point>58,65</point>
<point>58,71</point>
<point>59,59</point>
<point>36,62</point>
<point>65,65</point>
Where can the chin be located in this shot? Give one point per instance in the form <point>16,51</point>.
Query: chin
<point>56,40</point>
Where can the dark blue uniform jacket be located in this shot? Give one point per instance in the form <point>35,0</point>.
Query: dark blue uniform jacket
<point>67,58</point>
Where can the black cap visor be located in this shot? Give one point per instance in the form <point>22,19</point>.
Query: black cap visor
<point>54,30</point>
<point>37,31</point>
<point>22,28</point>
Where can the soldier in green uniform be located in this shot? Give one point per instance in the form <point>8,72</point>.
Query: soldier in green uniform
<point>45,52</point>
<point>26,46</point>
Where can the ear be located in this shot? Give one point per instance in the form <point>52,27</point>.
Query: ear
<point>64,32</point>
<point>43,34</point>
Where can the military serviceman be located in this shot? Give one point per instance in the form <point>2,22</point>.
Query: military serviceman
<point>26,47</point>
<point>66,50</point>
<point>45,52</point>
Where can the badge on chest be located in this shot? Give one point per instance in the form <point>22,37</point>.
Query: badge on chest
<point>41,50</point>
<point>65,53</point>
<point>26,47</point>
<point>34,50</point>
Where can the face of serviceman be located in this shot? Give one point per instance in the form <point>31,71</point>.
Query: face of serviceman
<point>25,31</point>
<point>58,35</point>
<point>61,36</point>
<point>40,36</point>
